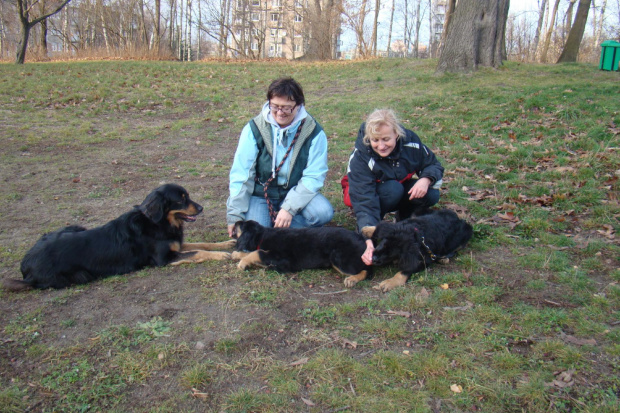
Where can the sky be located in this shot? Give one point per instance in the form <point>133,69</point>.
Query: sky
<point>348,37</point>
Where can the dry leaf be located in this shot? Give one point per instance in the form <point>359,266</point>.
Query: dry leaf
<point>401,313</point>
<point>307,402</point>
<point>444,286</point>
<point>299,362</point>
<point>456,388</point>
<point>198,394</point>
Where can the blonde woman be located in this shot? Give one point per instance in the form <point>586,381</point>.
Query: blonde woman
<point>390,170</point>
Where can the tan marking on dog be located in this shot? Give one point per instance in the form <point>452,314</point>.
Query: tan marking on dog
<point>443,261</point>
<point>201,256</point>
<point>209,246</point>
<point>172,219</point>
<point>175,246</point>
<point>396,281</point>
<point>368,231</point>
<point>238,255</point>
<point>350,282</point>
<point>251,259</point>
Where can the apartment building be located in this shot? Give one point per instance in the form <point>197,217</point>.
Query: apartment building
<point>269,28</point>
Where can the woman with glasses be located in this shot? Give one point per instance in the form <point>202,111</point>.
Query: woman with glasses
<point>389,170</point>
<point>280,165</point>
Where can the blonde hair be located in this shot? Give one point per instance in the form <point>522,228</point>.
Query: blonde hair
<point>378,118</point>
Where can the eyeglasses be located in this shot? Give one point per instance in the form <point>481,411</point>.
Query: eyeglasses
<point>287,110</point>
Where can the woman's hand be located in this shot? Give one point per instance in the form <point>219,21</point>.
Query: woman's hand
<point>283,219</point>
<point>419,189</point>
<point>231,229</point>
<point>367,256</point>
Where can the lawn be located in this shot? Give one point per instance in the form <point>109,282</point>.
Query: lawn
<point>525,319</point>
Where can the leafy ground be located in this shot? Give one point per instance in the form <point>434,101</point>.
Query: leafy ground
<point>526,319</point>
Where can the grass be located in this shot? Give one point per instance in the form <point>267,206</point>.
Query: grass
<point>525,319</point>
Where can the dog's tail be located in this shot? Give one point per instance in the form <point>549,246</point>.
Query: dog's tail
<point>14,285</point>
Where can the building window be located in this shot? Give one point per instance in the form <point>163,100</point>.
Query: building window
<point>274,17</point>
<point>297,34</point>
<point>299,3</point>
<point>255,17</point>
<point>274,32</point>
<point>254,46</point>
<point>255,2</point>
<point>298,48</point>
<point>298,18</point>
<point>276,3</point>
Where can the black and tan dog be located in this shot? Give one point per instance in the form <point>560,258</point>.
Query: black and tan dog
<point>415,243</point>
<point>296,249</point>
<point>149,235</point>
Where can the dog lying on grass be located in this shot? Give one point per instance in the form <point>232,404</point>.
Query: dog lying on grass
<point>415,243</point>
<point>296,249</point>
<point>149,235</point>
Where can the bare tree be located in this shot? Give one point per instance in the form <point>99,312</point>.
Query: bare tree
<point>550,29</point>
<point>541,16</point>
<point>389,44</point>
<point>28,22</point>
<point>571,48</point>
<point>375,26</point>
<point>475,36</point>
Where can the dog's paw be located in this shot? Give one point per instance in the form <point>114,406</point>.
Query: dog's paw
<point>228,245</point>
<point>395,281</point>
<point>350,282</point>
<point>237,255</point>
<point>222,256</point>
<point>242,265</point>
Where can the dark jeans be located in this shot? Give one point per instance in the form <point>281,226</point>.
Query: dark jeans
<point>393,196</point>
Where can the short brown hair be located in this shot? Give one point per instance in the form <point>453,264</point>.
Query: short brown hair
<point>379,118</point>
<point>286,87</point>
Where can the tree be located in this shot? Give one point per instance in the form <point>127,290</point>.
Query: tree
<point>571,48</point>
<point>24,8</point>
<point>475,36</point>
<point>547,42</point>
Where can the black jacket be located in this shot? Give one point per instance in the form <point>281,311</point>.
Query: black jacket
<point>367,168</point>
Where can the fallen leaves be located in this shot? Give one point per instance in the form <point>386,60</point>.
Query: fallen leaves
<point>562,379</point>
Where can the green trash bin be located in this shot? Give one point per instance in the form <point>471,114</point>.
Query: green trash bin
<point>610,55</point>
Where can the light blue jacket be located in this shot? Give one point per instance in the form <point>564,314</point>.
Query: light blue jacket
<point>243,170</point>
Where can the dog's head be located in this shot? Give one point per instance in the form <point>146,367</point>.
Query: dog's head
<point>388,244</point>
<point>248,235</point>
<point>170,202</point>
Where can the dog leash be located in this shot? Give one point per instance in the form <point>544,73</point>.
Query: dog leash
<point>272,214</point>
<point>429,251</point>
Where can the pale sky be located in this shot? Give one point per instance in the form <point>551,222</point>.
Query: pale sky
<point>348,37</point>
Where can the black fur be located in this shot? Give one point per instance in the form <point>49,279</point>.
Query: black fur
<point>404,242</point>
<point>296,249</point>
<point>149,235</point>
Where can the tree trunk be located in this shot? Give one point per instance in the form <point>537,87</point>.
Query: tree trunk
<point>599,29</point>
<point>26,24</point>
<point>541,18</point>
<point>450,6</point>
<point>375,27</point>
<point>545,49</point>
<point>418,23</point>
<point>475,36</point>
<point>43,38</point>
<point>389,45</point>
<point>571,48</point>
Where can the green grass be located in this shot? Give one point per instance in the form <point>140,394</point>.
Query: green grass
<point>532,160</point>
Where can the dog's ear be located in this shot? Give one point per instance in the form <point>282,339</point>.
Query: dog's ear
<point>153,206</point>
<point>368,231</point>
